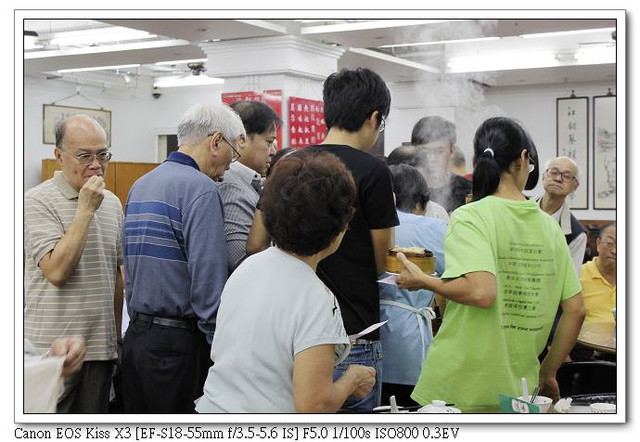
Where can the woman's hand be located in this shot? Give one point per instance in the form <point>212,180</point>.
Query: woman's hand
<point>411,278</point>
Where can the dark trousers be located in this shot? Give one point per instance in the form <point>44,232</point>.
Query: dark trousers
<point>87,390</point>
<point>163,368</point>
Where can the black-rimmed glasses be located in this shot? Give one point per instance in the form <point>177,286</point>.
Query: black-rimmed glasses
<point>382,124</point>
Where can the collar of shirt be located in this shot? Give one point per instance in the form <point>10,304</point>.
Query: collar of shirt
<point>594,272</point>
<point>66,189</point>
<point>182,158</point>
<point>562,215</point>
<point>245,173</point>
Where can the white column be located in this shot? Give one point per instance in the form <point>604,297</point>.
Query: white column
<point>296,66</point>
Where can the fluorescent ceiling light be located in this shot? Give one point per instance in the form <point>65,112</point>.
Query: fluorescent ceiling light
<point>440,42</point>
<point>605,55</point>
<point>561,33</point>
<point>364,25</point>
<point>105,49</point>
<point>193,60</point>
<point>502,62</point>
<point>100,35</point>
<point>99,68</point>
<point>31,42</point>
<point>191,80</point>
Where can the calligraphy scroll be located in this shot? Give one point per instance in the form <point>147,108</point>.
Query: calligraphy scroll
<point>604,152</point>
<point>573,142</point>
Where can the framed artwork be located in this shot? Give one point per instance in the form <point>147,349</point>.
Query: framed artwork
<point>572,131</point>
<point>53,114</point>
<point>604,152</point>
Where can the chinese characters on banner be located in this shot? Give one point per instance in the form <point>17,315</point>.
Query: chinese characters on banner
<point>306,122</point>
<point>271,97</point>
<point>572,142</point>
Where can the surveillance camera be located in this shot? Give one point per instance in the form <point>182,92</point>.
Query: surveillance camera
<point>155,93</point>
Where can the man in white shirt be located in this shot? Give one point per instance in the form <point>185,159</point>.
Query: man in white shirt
<point>560,179</point>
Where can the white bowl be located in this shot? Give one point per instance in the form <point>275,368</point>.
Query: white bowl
<point>542,402</point>
<point>601,407</point>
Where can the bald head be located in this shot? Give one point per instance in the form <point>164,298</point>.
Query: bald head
<point>566,164</point>
<point>77,125</point>
<point>561,177</point>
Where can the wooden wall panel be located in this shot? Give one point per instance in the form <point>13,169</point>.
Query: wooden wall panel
<point>127,174</point>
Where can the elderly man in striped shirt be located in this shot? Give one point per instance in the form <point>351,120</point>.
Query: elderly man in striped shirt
<point>72,243</point>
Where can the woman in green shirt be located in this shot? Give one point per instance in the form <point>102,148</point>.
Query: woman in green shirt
<point>507,270</point>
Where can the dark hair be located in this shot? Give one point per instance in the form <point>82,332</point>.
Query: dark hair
<point>307,201</point>
<point>507,139</point>
<point>409,186</point>
<point>404,155</point>
<point>433,128</point>
<point>257,117</point>
<point>351,96</point>
<point>278,156</point>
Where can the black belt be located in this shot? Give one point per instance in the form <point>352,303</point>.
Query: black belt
<point>185,324</point>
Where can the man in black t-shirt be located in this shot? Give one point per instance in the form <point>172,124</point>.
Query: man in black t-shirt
<point>435,138</point>
<point>356,103</point>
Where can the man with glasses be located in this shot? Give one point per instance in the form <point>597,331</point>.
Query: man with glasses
<point>356,104</point>
<point>242,183</point>
<point>176,264</point>
<point>598,278</point>
<point>560,179</point>
<point>72,242</point>
<point>435,137</point>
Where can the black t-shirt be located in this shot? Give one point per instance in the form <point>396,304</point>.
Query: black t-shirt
<point>351,272</point>
<point>454,195</point>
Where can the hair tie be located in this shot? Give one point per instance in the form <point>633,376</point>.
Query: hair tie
<point>490,150</point>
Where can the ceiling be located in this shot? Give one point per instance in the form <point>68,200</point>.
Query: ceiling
<point>511,59</point>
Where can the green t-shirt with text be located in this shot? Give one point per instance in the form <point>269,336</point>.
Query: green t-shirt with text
<point>479,353</point>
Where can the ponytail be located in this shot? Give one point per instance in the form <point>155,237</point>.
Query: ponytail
<point>486,175</point>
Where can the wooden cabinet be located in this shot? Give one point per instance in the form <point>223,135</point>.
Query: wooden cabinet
<point>119,177</point>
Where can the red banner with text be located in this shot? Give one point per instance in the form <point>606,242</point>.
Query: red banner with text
<point>306,122</point>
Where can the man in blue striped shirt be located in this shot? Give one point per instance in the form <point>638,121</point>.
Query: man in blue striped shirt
<point>176,264</point>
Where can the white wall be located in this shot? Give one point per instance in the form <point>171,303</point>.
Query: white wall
<point>136,117</point>
<point>467,105</point>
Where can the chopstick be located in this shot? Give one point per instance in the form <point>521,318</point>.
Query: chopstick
<point>534,395</point>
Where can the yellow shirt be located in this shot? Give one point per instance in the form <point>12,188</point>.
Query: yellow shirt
<point>598,294</point>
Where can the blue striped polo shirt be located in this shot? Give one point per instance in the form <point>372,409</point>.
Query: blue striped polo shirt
<point>174,244</point>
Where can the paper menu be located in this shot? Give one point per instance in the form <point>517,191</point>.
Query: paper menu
<point>366,331</point>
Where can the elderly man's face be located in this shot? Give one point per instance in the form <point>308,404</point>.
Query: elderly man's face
<point>560,178</point>
<point>78,155</point>
<point>436,164</point>
<point>607,251</point>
